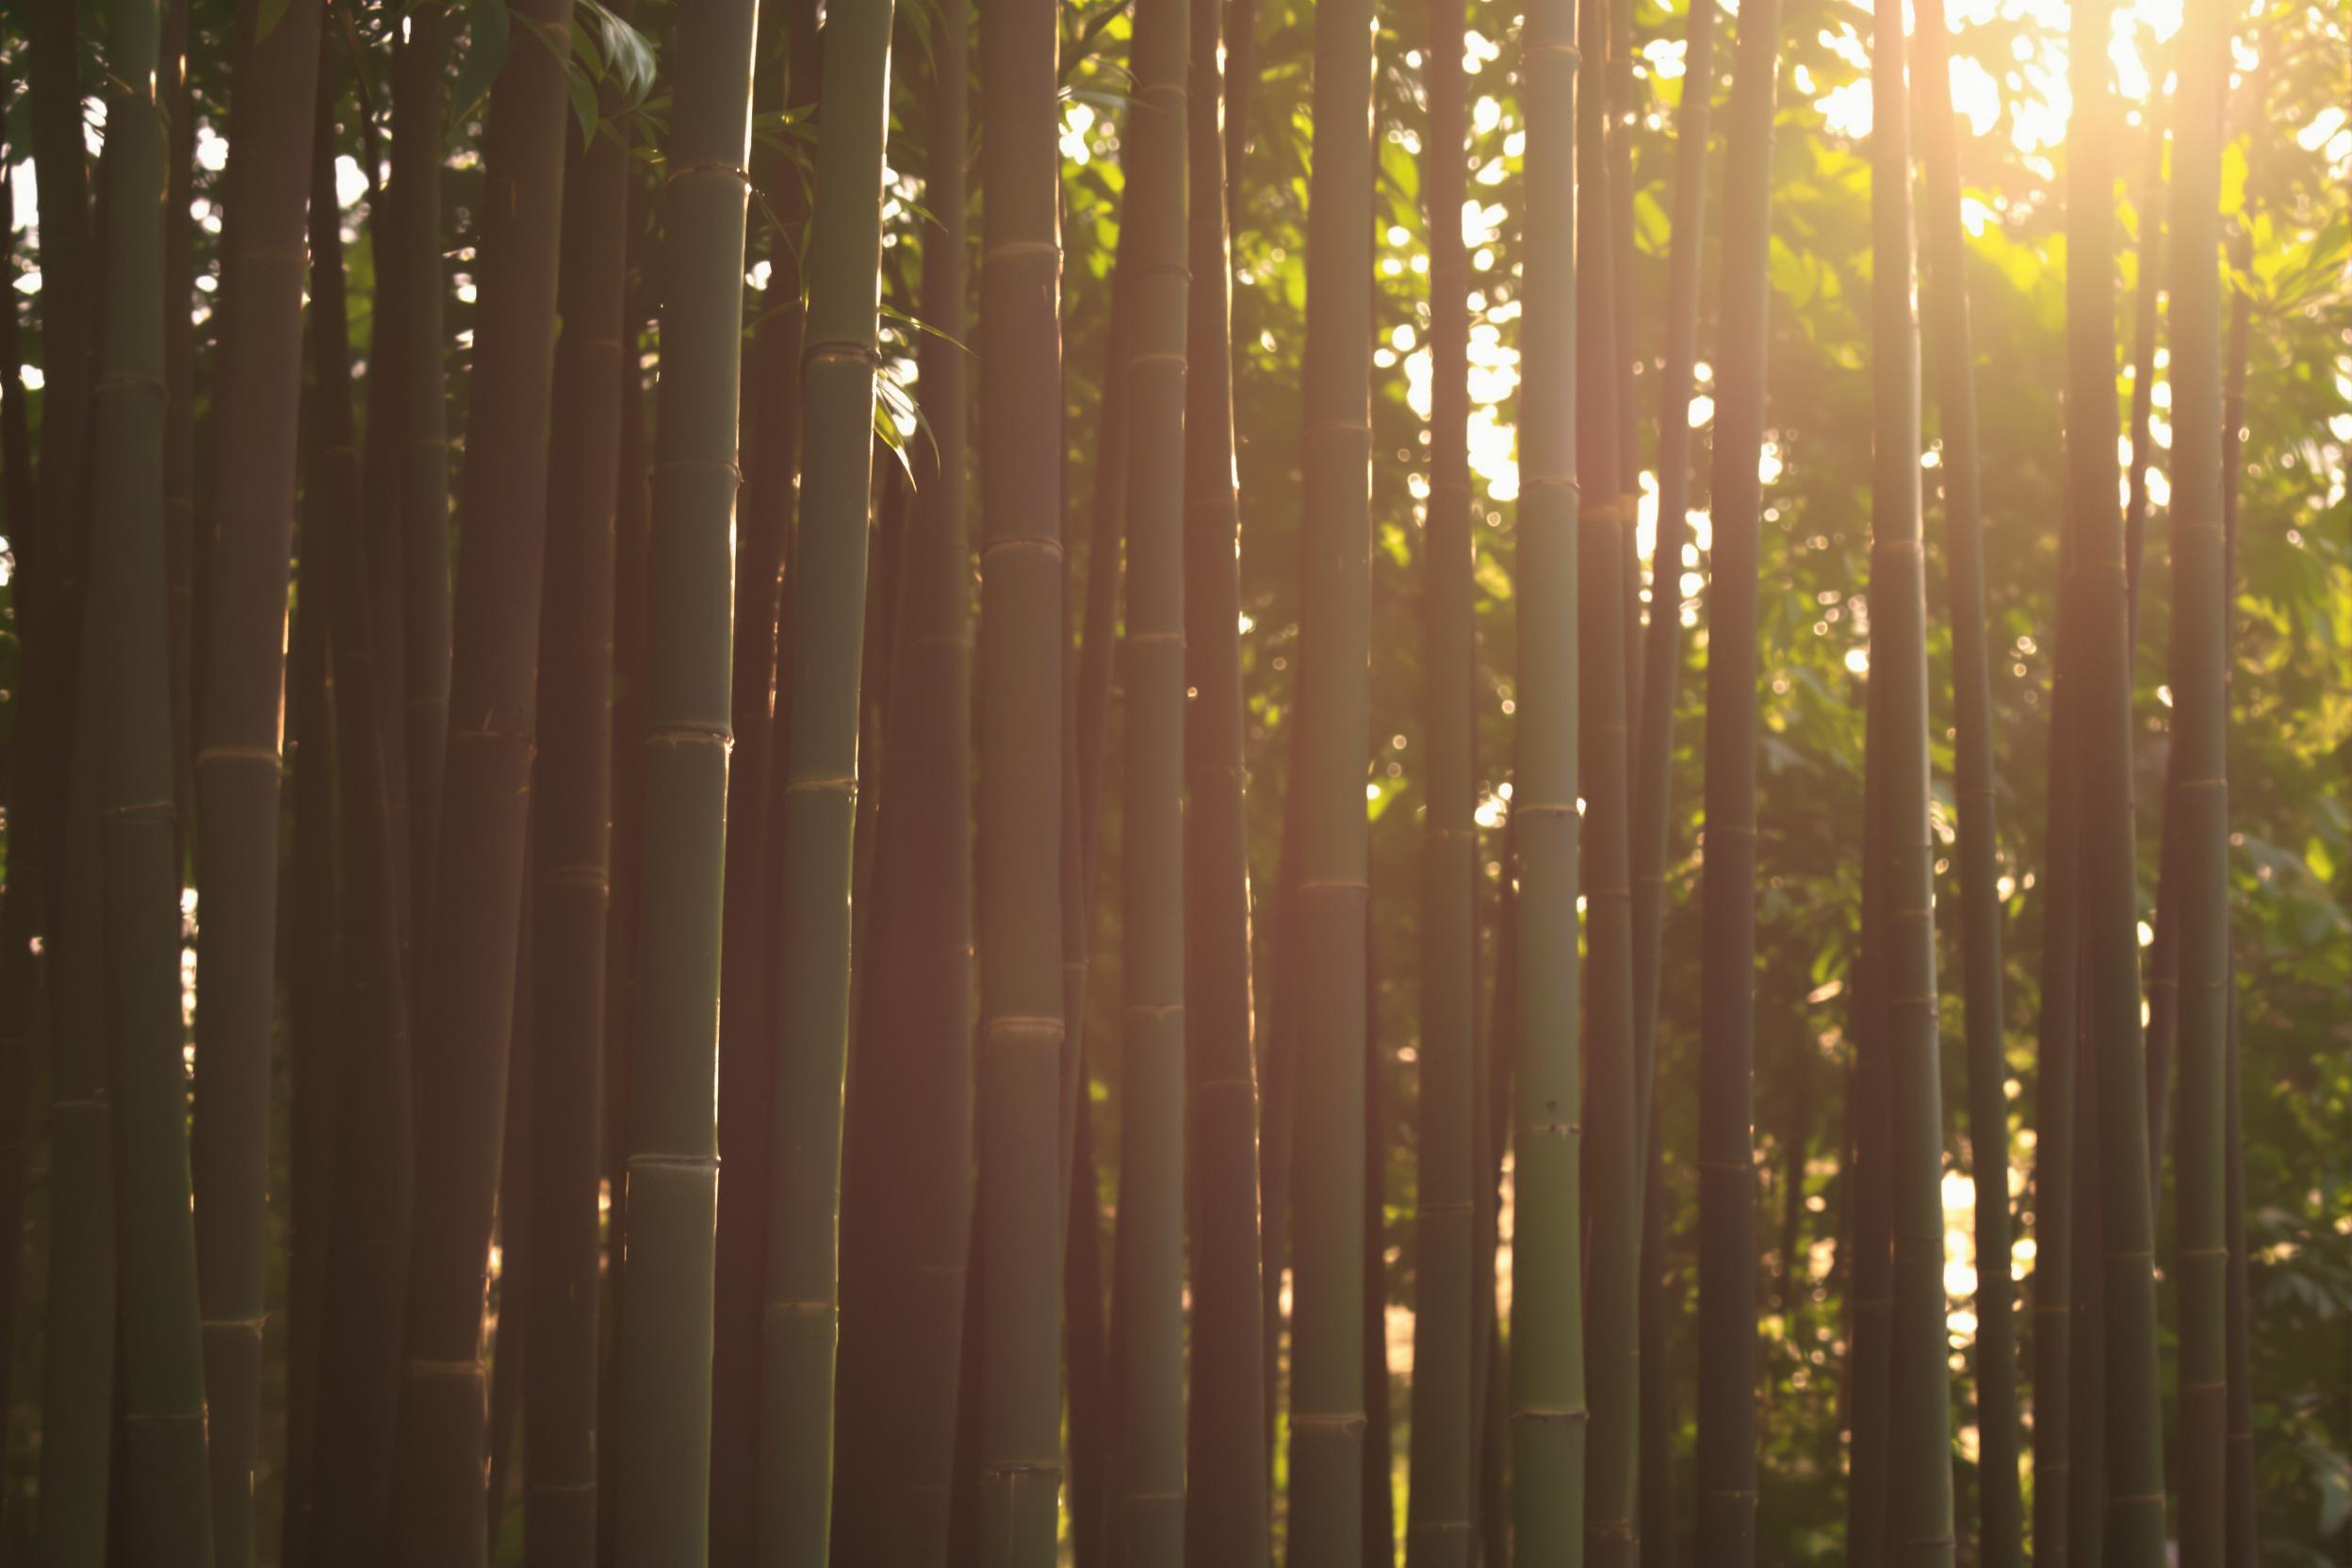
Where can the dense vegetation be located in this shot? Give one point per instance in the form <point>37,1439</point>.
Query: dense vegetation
<point>1172,781</point>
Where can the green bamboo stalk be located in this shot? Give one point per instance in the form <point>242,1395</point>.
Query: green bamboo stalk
<point>1869,1364</point>
<point>2197,821</point>
<point>167,1516</point>
<point>572,819</point>
<point>358,1090</point>
<point>510,1341</point>
<point>1727,1478</point>
<point>1018,727</point>
<point>416,414</point>
<point>1152,821</point>
<point>468,943</point>
<point>1327,1386</point>
<point>747,992</point>
<point>1226,1510</point>
<point>179,411</point>
<point>1438,1522</point>
<point>2134,1434</point>
<point>2086,1501</point>
<point>906,1177</point>
<point>2148,202</point>
<point>250,518</point>
<point>2244,1524</point>
<point>819,783</point>
<point>1920,1428</point>
<point>1380,1425</point>
<point>665,1345</point>
<point>1653,781</point>
<point>1547,1361</point>
<point>2001,1509</point>
<point>77,1382</point>
<point>68,265</point>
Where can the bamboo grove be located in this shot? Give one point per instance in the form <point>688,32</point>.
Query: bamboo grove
<point>1175,783</point>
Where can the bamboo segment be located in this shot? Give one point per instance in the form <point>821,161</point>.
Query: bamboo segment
<point>906,1177</point>
<point>2002,1522</point>
<point>1727,1469</point>
<point>162,1484</point>
<point>1151,1144</point>
<point>77,1375</point>
<point>1326,1389</point>
<point>1017,729</point>
<point>1919,1425</point>
<point>1225,1506</point>
<point>416,417</point>
<point>665,1345</point>
<point>1613,1204</point>
<point>469,951</point>
<point>368,1111</point>
<point>1439,1524</point>
<point>819,779</point>
<point>2133,1443</point>
<point>248,555</point>
<point>1549,1413</point>
<point>2198,826</point>
<point>572,819</point>
<point>771,458</point>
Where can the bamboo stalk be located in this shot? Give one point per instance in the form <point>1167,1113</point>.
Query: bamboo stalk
<point>1869,1362</point>
<point>1728,1470</point>
<point>1151,820</point>
<point>2197,821</point>
<point>1439,1528</point>
<point>468,942</point>
<point>2134,1441</point>
<point>416,414</point>
<point>819,779</point>
<point>906,1178</point>
<point>572,820</point>
<point>1326,1389</point>
<point>1017,729</point>
<point>1920,1429</point>
<point>2001,1510</point>
<point>251,519</point>
<point>365,1109</point>
<point>665,1345</point>
<point>1547,1361</point>
<point>746,978</point>
<point>167,1517</point>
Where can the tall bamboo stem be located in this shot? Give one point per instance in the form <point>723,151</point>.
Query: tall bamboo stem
<point>1438,1523</point>
<point>1019,734</point>
<point>1728,1470</point>
<point>1326,1389</point>
<point>2001,1509</point>
<point>2198,825</point>
<point>467,948</point>
<point>162,1482</point>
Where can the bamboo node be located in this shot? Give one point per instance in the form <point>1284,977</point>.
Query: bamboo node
<point>1568,52</point>
<point>1160,356</point>
<point>1165,1011</point>
<point>1549,481</point>
<point>1571,1415</point>
<point>840,785</point>
<point>1016,1469</point>
<point>1333,885</point>
<point>799,1309</point>
<point>419,1366</point>
<point>679,172</point>
<point>1340,427</point>
<point>1052,547</point>
<point>1019,1028</point>
<point>162,1417</point>
<point>1343,1422</point>
<point>1165,269</point>
<point>842,348</point>
<point>253,1325</point>
<point>236,754</point>
<point>673,1162</point>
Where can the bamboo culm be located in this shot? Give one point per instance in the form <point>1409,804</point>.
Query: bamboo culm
<point>1151,1144</point>
<point>1919,1407</point>
<point>1327,1386</point>
<point>1548,1414</point>
<point>162,1484</point>
<point>2198,825</point>
<point>467,952</point>
<point>818,779</point>
<point>1726,1448</point>
<point>572,862</point>
<point>1018,731</point>
<point>1439,1523</point>
<point>2001,1512</point>
<point>2134,1529</point>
